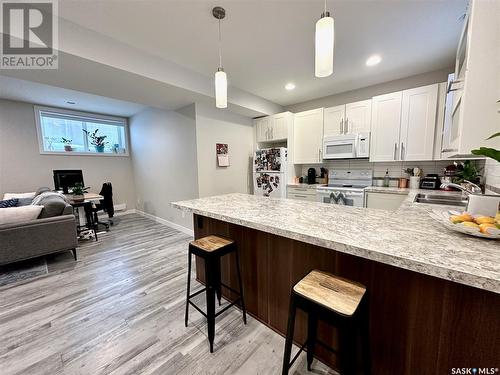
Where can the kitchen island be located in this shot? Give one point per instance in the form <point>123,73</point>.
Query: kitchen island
<point>434,295</point>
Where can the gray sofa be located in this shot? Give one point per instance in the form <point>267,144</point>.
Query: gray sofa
<point>42,236</point>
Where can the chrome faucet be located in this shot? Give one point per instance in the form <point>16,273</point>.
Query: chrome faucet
<point>469,188</point>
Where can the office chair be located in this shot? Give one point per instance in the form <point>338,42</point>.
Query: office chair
<point>105,204</point>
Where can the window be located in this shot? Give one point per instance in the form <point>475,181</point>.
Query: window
<point>62,131</point>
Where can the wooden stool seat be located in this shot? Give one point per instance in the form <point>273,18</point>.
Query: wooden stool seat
<point>332,292</point>
<point>211,243</point>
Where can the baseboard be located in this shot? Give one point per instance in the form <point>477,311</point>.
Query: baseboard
<point>119,213</point>
<point>168,223</point>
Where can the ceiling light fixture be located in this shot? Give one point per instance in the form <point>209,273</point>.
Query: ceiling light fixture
<point>324,40</point>
<point>373,60</point>
<point>220,74</point>
<point>70,102</point>
<point>290,86</point>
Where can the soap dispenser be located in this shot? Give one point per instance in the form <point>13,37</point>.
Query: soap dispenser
<point>387,179</point>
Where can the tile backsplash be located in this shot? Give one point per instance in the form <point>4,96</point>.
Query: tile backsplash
<point>395,168</point>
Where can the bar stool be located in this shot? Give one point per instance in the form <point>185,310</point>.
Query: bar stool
<point>212,249</point>
<point>335,300</point>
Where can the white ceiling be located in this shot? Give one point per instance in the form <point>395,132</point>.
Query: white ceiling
<point>269,43</point>
<point>32,92</point>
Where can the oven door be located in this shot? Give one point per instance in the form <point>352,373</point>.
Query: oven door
<point>341,197</point>
<point>339,147</point>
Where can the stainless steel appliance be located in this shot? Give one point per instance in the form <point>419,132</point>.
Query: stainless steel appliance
<point>345,187</point>
<point>431,181</point>
<point>347,146</point>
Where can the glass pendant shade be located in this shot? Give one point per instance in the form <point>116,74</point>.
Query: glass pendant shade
<point>220,89</point>
<point>324,46</point>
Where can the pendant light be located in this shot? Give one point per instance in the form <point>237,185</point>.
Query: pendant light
<point>220,74</point>
<point>324,45</point>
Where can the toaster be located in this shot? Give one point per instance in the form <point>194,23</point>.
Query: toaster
<point>431,182</point>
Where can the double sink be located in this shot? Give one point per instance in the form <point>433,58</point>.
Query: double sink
<point>445,200</point>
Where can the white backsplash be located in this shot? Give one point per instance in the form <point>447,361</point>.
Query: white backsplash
<point>395,168</point>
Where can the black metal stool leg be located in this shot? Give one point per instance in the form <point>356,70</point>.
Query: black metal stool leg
<point>188,289</point>
<point>289,335</point>
<point>312,325</point>
<point>210,293</point>
<point>242,299</point>
<point>217,279</point>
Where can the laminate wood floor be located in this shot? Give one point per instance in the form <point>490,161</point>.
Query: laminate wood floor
<point>120,310</point>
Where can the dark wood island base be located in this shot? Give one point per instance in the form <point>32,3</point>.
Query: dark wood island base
<point>419,324</point>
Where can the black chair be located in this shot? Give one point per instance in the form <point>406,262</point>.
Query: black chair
<point>105,205</point>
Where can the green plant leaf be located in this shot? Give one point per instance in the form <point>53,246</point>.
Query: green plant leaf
<point>494,135</point>
<point>487,151</point>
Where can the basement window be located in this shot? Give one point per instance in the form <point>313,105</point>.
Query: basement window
<point>66,132</point>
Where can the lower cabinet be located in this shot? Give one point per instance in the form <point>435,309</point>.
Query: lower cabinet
<point>301,194</point>
<point>384,201</point>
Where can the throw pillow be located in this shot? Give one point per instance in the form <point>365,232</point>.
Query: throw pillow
<point>18,195</point>
<point>24,201</point>
<point>14,215</point>
<point>41,190</point>
<point>9,203</point>
<point>53,205</point>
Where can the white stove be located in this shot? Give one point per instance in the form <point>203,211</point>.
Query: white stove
<point>345,187</point>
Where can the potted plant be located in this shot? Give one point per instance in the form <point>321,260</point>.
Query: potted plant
<point>98,141</point>
<point>467,171</point>
<point>78,192</point>
<point>67,144</point>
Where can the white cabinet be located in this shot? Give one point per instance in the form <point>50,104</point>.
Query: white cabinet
<point>349,118</point>
<point>474,112</point>
<point>418,123</point>
<point>301,194</point>
<point>358,116</point>
<point>273,128</point>
<point>334,120</point>
<point>308,136</point>
<point>386,123</point>
<point>403,125</point>
<point>384,201</point>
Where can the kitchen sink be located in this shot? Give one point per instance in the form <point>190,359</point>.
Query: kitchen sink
<point>445,200</point>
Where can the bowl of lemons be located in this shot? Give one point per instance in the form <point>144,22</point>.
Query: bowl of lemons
<point>475,225</point>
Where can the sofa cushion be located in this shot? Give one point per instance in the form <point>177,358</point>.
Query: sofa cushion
<point>41,190</point>
<point>9,203</point>
<point>18,195</point>
<point>53,204</point>
<point>13,215</point>
<point>23,202</point>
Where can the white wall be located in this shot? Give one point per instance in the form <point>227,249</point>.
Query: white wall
<point>22,168</point>
<point>164,161</point>
<point>370,91</point>
<point>221,126</point>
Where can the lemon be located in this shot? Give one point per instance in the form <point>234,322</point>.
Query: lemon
<point>484,220</point>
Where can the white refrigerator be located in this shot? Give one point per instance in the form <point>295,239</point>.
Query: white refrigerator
<point>269,172</point>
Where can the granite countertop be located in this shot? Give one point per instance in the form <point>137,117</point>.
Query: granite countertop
<point>305,186</point>
<point>407,238</point>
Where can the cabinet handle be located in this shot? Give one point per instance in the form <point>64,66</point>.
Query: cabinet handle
<point>395,151</point>
<point>450,85</point>
<point>319,155</point>
<point>402,151</point>
<point>346,130</point>
<point>341,126</point>
<point>301,196</point>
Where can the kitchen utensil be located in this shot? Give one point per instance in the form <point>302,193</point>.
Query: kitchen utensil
<point>414,182</point>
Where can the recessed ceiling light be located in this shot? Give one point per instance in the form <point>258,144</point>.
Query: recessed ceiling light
<point>290,86</point>
<point>70,102</point>
<point>373,60</point>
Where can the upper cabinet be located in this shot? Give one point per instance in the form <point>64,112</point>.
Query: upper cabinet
<point>403,125</point>
<point>386,123</point>
<point>273,128</point>
<point>308,137</point>
<point>473,113</point>
<point>348,118</point>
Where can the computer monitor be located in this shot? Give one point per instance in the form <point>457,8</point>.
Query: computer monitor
<point>67,178</point>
